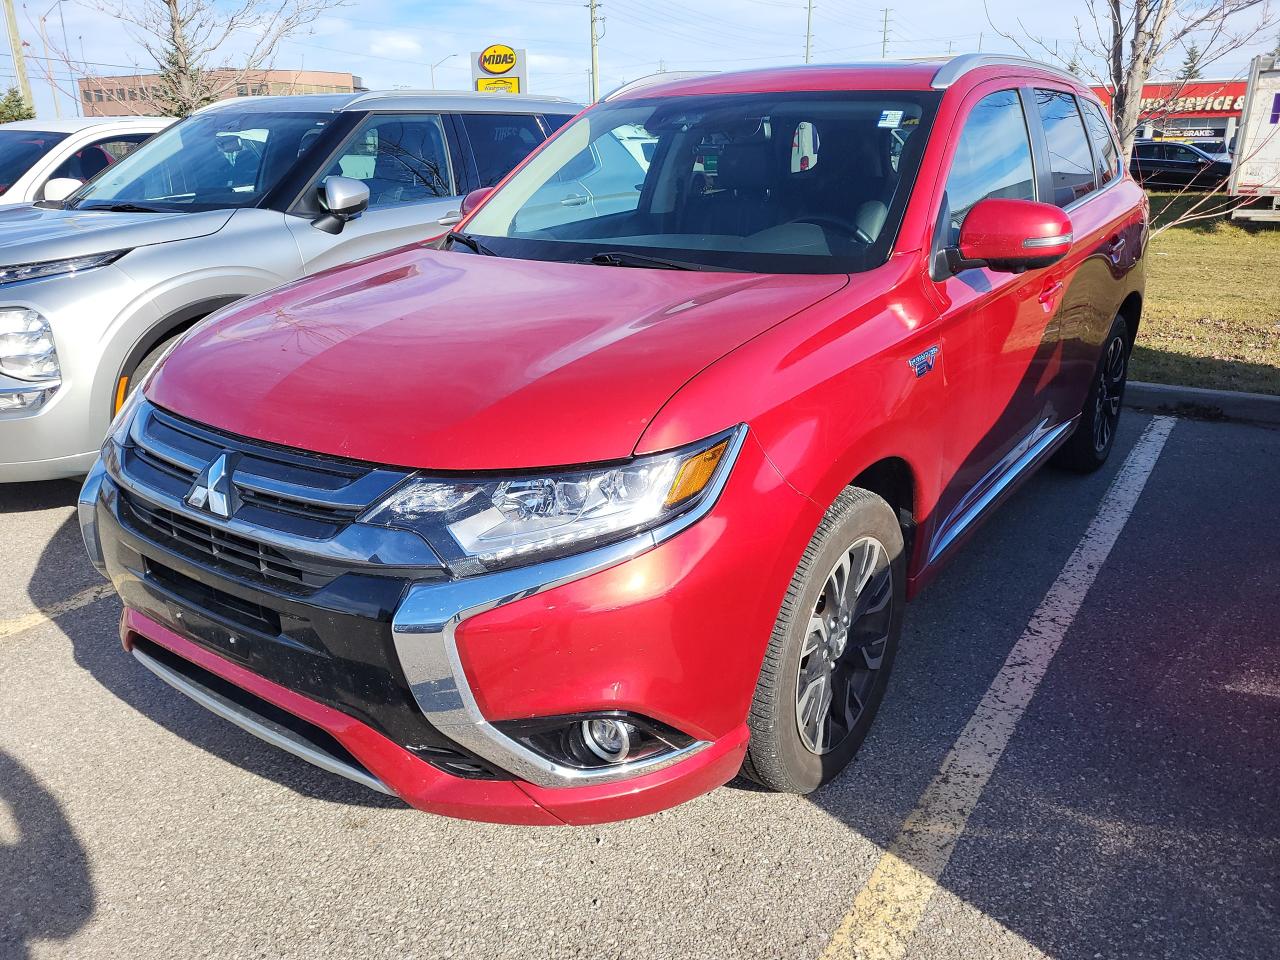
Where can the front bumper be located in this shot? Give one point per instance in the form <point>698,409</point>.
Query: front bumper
<point>674,631</point>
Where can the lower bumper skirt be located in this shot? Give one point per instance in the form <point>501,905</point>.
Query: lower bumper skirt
<point>384,765</point>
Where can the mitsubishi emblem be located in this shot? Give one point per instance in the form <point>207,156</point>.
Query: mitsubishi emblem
<point>213,490</point>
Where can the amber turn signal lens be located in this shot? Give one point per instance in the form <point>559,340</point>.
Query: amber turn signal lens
<point>695,473</point>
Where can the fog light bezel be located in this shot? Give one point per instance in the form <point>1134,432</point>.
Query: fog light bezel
<point>564,740</point>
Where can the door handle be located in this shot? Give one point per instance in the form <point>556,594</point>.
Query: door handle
<point>576,200</point>
<point>1116,247</point>
<point>1050,293</point>
<point>449,219</point>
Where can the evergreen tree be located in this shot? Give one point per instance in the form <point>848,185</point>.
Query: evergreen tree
<point>1191,64</point>
<point>14,107</point>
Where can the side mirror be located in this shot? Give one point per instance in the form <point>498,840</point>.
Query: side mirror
<point>344,199</point>
<point>59,188</point>
<point>1010,236</point>
<point>474,199</point>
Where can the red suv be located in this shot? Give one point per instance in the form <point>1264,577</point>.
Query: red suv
<point>621,488</point>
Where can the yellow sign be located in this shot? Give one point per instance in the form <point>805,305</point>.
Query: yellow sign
<point>498,58</point>
<point>498,84</point>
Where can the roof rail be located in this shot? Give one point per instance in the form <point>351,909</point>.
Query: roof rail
<point>655,78</point>
<point>957,67</point>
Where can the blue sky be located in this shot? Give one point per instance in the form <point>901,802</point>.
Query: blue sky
<point>391,44</point>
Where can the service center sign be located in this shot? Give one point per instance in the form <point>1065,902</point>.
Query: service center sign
<point>500,69</point>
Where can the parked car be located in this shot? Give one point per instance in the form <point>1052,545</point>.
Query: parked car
<point>574,521</point>
<point>35,152</point>
<point>242,196</point>
<point>1213,149</point>
<point>1166,163</point>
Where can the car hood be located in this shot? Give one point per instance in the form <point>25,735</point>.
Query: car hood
<point>31,234</point>
<point>452,361</point>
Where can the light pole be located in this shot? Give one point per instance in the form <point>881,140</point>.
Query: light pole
<point>434,65</point>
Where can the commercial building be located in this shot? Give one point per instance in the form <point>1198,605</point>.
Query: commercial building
<point>1195,110</point>
<point>135,95</point>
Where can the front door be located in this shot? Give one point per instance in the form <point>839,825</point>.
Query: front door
<point>404,160</point>
<point>998,333</point>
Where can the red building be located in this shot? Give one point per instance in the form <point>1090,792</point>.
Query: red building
<point>1196,110</point>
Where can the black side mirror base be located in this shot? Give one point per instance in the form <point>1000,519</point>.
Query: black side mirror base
<point>329,223</point>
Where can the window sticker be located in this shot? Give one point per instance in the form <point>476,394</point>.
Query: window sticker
<point>890,118</point>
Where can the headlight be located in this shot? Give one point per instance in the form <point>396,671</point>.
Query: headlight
<point>51,268</point>
<point>29,372</point>
<point>507,521</point>
<point>26,346</point>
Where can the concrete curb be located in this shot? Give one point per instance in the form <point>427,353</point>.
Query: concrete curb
<point>1203,404</point>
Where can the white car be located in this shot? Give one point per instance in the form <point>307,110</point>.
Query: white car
<point>35,152</point>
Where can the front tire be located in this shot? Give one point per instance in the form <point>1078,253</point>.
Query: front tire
<point>828,661</point>
<point>1095,435</point>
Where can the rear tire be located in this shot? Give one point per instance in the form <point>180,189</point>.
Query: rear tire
<point>1095,434</point>
<point>834,642</point>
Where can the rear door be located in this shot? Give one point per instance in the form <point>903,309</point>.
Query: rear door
<point>404,160</point>
<point>1082,161</point>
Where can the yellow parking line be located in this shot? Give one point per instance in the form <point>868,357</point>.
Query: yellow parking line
<point>9,628</point>
<point>887,911</point>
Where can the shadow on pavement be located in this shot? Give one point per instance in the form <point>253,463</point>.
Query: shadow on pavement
<point>96,647</point>
<point>1134,813</point>
<point>23,497</point>
<point>46,891</point>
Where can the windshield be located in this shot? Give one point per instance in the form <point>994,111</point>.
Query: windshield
<point>19,151</point>
<point>211,161</point>
<point>771,183</point>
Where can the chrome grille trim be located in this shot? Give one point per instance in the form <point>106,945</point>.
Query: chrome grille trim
<point>316,535</point>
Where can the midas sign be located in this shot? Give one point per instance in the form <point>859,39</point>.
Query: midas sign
<point>497,58</point>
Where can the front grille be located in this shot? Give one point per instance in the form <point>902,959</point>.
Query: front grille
<point>239,556</point>
<point>303,495</point>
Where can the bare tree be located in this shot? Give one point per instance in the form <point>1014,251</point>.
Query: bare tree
<point>201,51</point>
<point>1121,43</point>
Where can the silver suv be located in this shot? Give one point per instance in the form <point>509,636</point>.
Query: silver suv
<point>238,198</point>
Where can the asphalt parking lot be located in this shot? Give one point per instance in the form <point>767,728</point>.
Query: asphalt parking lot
<point>1133,809</point>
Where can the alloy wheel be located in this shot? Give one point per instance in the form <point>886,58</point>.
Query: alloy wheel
<point>844,646</point>
<point>1111,378</point>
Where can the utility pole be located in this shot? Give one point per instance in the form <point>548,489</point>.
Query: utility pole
<point>884,37</point>
<point>594,7</point>
<point>48,70</point>
<point>808,32</point>
<point>19,61</point>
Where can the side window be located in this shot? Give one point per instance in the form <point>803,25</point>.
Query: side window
<point>92,159</point>
<point>1146,151</point>
<point>1178,152</point>
<point>499,141</point>
<point>1104,145</point>
<point>993,159</point>
<point>1070,161</point>
<point>403,159</point>
<point>555,121</point>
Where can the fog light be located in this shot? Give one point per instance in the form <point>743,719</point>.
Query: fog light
<point>23,398</point>
<point>609,739</point>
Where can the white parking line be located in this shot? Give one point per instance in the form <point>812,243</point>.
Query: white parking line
<point>9,628</point>
<point>889,908</point>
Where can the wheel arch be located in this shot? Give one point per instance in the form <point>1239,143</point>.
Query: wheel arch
<point>893,479</point>
<point>1131,310</point>
<point>176,321</point>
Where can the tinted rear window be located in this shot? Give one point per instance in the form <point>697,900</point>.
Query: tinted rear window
<point>500,141</point>
<point>1107,157</point>
<point>1070,160</point>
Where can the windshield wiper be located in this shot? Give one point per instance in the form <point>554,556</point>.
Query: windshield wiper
<point>621,258</point>
<point>124,208</point>
<point>470,242</point>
